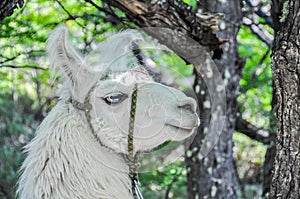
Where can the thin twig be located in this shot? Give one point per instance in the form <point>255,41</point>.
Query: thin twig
<point>262,59</point>
<point>23,66</point>
<point>7,59</point>
<point>111,12</point>
<point>171,184</point>
<point>69,14</point>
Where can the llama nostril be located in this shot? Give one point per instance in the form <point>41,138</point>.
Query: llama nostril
<point>186,107</point>
<point>188,104</point>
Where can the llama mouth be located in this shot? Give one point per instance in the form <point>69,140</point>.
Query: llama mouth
<point>184,128</point>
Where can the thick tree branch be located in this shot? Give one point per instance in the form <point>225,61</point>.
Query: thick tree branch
<point>172,14</point>
<point>253,132</point>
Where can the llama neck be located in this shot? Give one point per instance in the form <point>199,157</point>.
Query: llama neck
<point>66,161</point>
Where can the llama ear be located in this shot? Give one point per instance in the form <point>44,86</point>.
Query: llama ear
<point>61,53</point>
<point>63,56</point>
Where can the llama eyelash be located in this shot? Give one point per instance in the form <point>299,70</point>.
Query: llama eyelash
<point>114,98</point>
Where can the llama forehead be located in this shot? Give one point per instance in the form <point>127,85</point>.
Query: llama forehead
<point>115,53</point>
<point>125,70</point>
<point>123,81</point>
<point>111,86</point>
<point>134,77</point>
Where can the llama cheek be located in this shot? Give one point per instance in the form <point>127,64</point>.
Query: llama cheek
<point>98,124</point>
<point>113,138</point>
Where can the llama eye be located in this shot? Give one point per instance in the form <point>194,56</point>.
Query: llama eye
<point>114,98</point>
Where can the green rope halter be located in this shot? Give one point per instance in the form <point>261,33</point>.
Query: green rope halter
<point>131,159</point>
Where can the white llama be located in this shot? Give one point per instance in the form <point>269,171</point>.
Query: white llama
<point>79,149</point>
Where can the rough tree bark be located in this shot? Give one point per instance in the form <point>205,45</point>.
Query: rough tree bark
<point>214,176</point>
<point>286,72</point>
<point>276,12</point>
<point>172,14</point>
<point>7,7</point>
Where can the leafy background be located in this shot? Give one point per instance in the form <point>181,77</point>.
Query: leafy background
<point>27,91</point>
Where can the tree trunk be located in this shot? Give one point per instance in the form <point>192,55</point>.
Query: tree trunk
<point>214,176</point>
<point>286,72</point>
<point>7,7</point>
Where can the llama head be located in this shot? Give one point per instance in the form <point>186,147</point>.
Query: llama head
<point>107,77</point>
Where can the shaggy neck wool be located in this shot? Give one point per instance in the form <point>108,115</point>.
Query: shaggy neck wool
<point>65,161</point>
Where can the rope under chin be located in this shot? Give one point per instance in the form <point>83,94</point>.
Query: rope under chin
<point>131,159</point>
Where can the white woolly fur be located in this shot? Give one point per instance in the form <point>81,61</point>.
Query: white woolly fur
<point>64,155</point>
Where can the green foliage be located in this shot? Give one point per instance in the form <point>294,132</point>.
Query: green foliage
<point>255,106</point>
<point>249,153</point>
<point>154,184</point>
<point>15,128</point>
<point>256,84</point>
<point>179,69</point>
<point>174,69</point>
<point>192,3</point>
